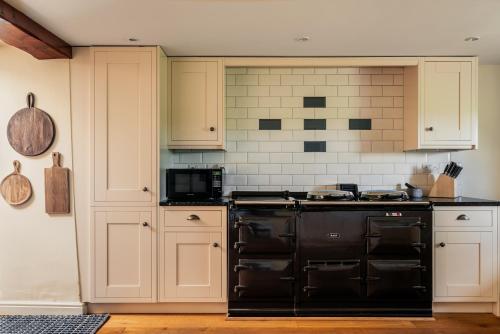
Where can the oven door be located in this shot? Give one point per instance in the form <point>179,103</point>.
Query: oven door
<point>332,279</point>
<point>395,279</point>
<point>394,235</point>
<point>264,231</point>
<point>264,279</point>
<point>186,184</point>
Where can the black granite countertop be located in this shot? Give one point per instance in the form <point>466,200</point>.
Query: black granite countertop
<point>462,201</point>
<point>436,201</point>
<point>219,202</point>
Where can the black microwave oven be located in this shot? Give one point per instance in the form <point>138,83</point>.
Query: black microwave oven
<point>194,183</point>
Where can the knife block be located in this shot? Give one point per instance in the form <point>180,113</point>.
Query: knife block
<point>445,186</point>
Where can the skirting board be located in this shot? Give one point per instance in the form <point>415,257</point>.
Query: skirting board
<point>173,308</point>
<point>38,308</point>
<point>463,307</point>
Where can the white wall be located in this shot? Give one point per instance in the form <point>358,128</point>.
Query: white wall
<point>481,174</point>
<point>38,258</point>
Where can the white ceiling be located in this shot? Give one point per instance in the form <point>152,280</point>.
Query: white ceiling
<point>268,27</point>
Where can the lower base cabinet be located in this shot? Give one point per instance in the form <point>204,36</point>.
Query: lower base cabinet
<point>124,258</point>
<point>465,255</point>
<point>193,254</point>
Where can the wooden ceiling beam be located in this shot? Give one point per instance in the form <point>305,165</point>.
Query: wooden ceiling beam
<point>20,31</point>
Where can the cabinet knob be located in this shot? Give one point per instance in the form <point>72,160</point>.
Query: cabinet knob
<point>212,129</point>
<point>463,217</point>
<point>145,189</point>
<point>430,128</point>
<point>145,224</point>
<point>193,217</point>
<point>215,244</point>
<point>441,244</point>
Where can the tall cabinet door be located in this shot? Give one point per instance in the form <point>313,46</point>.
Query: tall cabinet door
<point>196,103</point>
<point>193,266</point>
<point>448,102</point>
<point>123,243</point>
<point>464,265</point>
<point>124,124</point>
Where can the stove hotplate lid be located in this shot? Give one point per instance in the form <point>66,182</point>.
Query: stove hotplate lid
<point>330,195</point>
<point>383,195</point>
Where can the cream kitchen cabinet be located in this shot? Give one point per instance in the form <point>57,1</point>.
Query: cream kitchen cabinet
<point>441,104</point>
<point>465,254</point>
<point>193,254</point>
<point>124,124</point>
<point>124,256</point>
<point>195,103</point>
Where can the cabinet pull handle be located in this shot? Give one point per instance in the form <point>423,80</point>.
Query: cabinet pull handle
<point>430,128</point>
<point>212,128</point>
<point>215,244</point>
<point>193,217</point>
<point>441,244</point>
<point>463,217</point>
<point>145,224</point>
<point>145,189</point>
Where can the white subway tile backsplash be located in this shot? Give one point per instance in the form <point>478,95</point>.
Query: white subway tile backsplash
<point>258,157</point>
<point>270,169</point>
<point>258,180</point>
<point>315,169</point>
<point>303,91</point>
<point>269,80</point>
<point>280,90</point>
<point>275,159</point>
<point>270,101</point>
<point>283,158</point>
<point>282,180</point>
<point>234,157</point>
<point>247,169</point>
<point>247,79</point>
<point>306,180</point>
<point>257,90</point>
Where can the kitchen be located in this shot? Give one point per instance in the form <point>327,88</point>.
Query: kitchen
<point>256,185</point>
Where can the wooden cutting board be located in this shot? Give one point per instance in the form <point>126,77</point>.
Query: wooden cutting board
<point>30,130</point>
<point>57,187</point>
<point>16,188</point>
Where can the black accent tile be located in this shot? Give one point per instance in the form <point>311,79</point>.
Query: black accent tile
<point>315,146</point>
<point>314,102</point>
<point>269,124</point>
<point>360,124</point>
<point>315,124</point>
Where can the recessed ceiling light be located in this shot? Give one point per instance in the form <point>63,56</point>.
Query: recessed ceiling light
<point>471,39</point>
<point>302,38</point>
<point>133,39</point>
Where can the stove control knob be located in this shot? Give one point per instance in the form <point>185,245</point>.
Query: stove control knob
<point>441,244</point>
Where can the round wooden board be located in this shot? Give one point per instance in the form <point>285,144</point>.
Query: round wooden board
<point>30,130</point>
<point>16,188</point>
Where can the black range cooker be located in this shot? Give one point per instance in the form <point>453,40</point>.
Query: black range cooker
<point>329,254</point>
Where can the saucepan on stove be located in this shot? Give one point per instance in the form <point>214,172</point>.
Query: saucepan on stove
<point>414,192</point>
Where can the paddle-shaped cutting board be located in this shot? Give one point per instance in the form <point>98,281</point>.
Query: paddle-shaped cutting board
<point>57,187</point>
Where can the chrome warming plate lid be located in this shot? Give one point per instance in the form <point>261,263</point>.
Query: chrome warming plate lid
<point>330,195</point>
<point>383,195</point>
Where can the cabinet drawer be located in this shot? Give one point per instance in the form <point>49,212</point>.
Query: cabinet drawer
<point>193,218</point>
<point>463,218</point>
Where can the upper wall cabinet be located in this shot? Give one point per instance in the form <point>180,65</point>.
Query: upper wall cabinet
<point>124,125</point>
<point>441,104</point>
<point>195,103</point>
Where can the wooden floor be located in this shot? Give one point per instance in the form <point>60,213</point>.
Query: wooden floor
<point>211,324</point>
